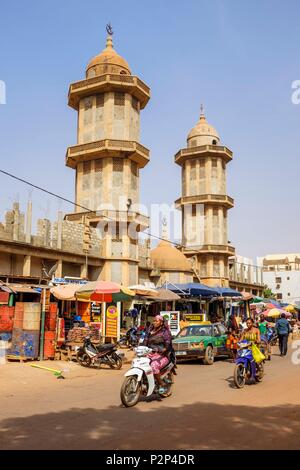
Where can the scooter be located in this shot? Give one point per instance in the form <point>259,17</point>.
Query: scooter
<point>246,367</point>
<point>90,354</point>
<point>139,380</point>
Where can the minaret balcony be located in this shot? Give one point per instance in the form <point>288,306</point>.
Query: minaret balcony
<point>216,199</point>
<point>106,83</point>
<point>210,249</point>
<point>141,221</point>
<point>107,148</point>
<point>203,151</point>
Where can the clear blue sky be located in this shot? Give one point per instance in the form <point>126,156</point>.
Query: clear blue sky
<point>237,57</point>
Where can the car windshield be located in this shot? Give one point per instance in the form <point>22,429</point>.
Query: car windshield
<point>196,330</point>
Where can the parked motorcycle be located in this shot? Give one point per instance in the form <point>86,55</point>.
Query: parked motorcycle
<point>246,367</point>
<point>139,380</point>
<point>90,354</point>
<point>132,338</point>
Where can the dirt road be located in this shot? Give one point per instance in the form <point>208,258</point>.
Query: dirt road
<point>37,411</point>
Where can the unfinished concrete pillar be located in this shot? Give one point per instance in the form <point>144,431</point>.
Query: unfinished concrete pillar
<point>28,222</point>
<point>27,266</point>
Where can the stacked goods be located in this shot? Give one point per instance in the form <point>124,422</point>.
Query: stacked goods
<point>18,317</point>
<point>51,317</point>
<point>26,330</point>
<point>50,330</point>
<point>77,334</point>
<point>32,316</point>
<point>6,318</point>
<point>49,344</point>
<point>25,344</point>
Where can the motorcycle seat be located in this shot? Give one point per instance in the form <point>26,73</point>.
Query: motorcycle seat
<point>105,347</point>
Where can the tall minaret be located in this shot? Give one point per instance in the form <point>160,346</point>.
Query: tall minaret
<point>204,203</point>
<point>108,157</point>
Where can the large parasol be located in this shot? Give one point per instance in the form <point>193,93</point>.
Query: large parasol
<point>104,291</point>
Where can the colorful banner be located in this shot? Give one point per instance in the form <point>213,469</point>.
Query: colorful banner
<point>111,321</point>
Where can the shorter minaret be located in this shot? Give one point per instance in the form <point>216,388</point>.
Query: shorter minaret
<point>204,202</point>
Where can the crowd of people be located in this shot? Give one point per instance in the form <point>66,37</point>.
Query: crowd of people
<point>255,331</point>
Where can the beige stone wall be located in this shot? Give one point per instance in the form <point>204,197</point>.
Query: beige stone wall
<point>107,183</point>
<point>111,115</point>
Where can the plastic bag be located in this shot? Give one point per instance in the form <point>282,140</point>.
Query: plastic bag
<point>258,356</point>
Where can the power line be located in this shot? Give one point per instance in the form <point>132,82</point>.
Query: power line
<point>72,202</point>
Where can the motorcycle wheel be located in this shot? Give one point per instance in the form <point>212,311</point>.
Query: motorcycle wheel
<point>239,376</point>
<point>83,359</point>
<point>115,362</point>
<point>260,372</point>
<point>169,386</point>
<point>130,391</point>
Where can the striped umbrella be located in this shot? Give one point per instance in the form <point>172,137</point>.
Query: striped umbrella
<point>103,291</point>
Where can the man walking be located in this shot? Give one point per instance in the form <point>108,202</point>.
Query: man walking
<point>283,330</point>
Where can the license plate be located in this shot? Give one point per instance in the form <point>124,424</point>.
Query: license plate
<point>180,353</point>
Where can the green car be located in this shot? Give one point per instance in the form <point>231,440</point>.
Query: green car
<point>201,341</point>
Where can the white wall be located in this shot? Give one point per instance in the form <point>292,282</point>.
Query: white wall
<point>289,286</point>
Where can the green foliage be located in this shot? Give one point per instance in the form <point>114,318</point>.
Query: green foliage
<point>268,294</point>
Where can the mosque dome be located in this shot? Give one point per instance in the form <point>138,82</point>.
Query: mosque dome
<point>108,61</point>
<point>203,133</point>
<point>168,258</point>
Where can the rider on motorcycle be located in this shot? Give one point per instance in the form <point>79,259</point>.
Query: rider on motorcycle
<point>251,333</point>
<point>160,341</point>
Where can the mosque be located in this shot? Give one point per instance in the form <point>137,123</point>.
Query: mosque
<point>108,160</point>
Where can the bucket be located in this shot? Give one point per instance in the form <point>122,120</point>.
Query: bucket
<point>49,344</point>
<point>32,316</point>
<point>5,336</point>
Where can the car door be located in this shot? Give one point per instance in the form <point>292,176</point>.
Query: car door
<point>222,338</point>
<point>217,341</point>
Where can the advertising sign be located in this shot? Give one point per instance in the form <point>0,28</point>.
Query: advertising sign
<point>173,321</point>
<point>195,317</point>
<point>111,321</point>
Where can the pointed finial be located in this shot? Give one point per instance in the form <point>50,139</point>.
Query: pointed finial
<point>109,41</point>
<point>202,115</point>
<point>109,29</point>
<point>164,234</point>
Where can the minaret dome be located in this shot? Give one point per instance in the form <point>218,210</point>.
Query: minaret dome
<point>203,133</point>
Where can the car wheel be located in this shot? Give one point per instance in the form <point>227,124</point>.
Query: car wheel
<point>209,356</point>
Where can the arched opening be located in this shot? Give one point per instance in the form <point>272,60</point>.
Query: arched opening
<point>214,142</point>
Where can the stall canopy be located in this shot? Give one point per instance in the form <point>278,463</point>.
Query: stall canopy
<point>65,292</point>
<point>166,295</point>
<point>143,291</point>
<point>228,292</point>
<point>194,289</point>
<point>104,291</point>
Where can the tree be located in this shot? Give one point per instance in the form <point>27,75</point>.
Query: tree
<point>268,294</point>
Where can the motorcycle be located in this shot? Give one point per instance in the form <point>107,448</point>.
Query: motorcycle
<point>267,341</point>
<point>246,367</point>
<point>132,338</point>
<point>90,354</point>
<point>139,380</point>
